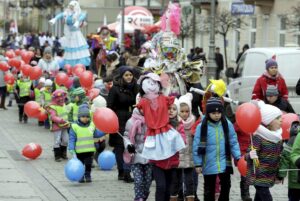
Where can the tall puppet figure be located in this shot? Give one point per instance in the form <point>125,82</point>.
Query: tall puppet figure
<point>74,44</point>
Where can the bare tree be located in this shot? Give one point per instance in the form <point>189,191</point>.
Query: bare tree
<point>226,22</point>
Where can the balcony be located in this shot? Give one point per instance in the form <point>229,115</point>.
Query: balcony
<point>204,4</point>
<point>262,3</point>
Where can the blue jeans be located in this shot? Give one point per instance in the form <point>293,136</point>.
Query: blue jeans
<point>262,194</point>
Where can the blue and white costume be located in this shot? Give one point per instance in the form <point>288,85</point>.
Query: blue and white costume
<point>74,44</point>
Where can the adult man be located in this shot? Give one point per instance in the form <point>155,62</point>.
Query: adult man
<point>219,62</point>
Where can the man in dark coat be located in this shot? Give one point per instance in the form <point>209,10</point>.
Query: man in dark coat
<point>219,61</point>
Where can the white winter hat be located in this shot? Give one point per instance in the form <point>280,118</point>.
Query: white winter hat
<point>268,112</point>
<point>187,99</point>
<point>48,83</point>
<point>42,80</point>
<point>98,102</point>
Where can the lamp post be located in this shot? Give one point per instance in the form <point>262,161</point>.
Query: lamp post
<point>122,26</point>
<point>211,65</point>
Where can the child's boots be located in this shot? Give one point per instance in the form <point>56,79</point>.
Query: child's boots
<point>63,150</point>
<point>57,154</point>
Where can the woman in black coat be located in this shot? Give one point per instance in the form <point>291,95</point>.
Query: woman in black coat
<point>121,99</point>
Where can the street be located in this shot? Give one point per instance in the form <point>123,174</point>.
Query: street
<point>43,178</point>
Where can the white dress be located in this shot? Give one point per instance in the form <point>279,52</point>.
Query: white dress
<point>76,49</point>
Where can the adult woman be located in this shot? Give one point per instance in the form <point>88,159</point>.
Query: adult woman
<point>49,66</point>
<point>121,99</point>
<point>270,77</point>
<point>73,42</point>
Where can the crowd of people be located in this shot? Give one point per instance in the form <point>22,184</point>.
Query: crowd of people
<point>166,133</point>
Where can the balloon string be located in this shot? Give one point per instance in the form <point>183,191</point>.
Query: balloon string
<point>121,135</point>
<point>282,170</point>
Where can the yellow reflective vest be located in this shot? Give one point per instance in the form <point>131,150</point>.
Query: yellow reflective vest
<point>85,138</point>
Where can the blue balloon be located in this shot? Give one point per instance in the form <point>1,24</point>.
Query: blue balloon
<point>74,169</point>
<point>106,160</point>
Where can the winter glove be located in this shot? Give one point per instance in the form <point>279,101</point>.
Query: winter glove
<point>76,24</point>
<point>131,148</point>
<point>198,169</point>
<point>52,21</point>
<point>253,154</point>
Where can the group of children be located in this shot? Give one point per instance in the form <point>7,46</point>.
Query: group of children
<point>160,142</point>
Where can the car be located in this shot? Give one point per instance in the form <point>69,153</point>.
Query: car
<point>252,65</point>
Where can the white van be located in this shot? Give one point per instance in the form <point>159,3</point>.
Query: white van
<point>252,65</point>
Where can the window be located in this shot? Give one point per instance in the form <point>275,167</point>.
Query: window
<point>282,30</point>
<point>253,32</point>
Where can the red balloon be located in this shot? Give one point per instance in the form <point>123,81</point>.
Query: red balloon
<point>14,63</point>
<point>248,117</point>
<point>43,115</point>
<point>61,78</point>
<point>26,57</point>
<point>32,150</point>
<point>68,69</point>
<point>10,54</point>
<point>69,83</point>
<point>32,109</point>
<point>9,78</point>
<point>106,120</point>
<point>4,66</point>
<point>18,52</point>
<point>242,166</point>
<point>26,69</point>
<point>86,79</point>
<point>35,73</point>
<point>287,120</point>
<point>78,69</point>
<point>93,93</point>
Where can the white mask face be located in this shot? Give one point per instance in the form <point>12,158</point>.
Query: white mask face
<point>150,86</point>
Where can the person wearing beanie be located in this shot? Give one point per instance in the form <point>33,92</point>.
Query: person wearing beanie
<point>81,140</point>
<point>78,97</point>
<point>215,142</point>
<point>286,162</point>
<point>266,148</point>
<point>49,66</point>
<point>273,98</point>
<point>186,164</point>
<point>121,99</point>
<point>24,87</point>
<point>270,77</point>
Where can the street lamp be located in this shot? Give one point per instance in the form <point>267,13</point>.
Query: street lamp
<point>211,64</point>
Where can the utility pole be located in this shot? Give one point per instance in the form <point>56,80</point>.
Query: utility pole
<point>194,25</point>
<point>122,26</point>
<point>211,65</point>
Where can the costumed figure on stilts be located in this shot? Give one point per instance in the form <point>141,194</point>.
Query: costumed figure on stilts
<point>168,59</point>
<point>76,49</point>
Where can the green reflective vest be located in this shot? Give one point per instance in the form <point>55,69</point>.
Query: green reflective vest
<point>85,138</point>
<point>37,95</point>
<point>75,108</point>
<point>61,111</point>
<point>24,88</point>
<point>47,96</point>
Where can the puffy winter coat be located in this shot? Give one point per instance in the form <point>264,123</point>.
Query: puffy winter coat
<point>260,87</point>
<point>121,99</point>
<point>213,161</point>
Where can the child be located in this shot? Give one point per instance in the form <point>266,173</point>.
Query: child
<point>286,163</point>
<point>134,142</point>
<point>214,143</point>
<point>81,140</point>
<point>244,142</point>
<point>184,173</point>
<point>23,89</point>
<point>267,145</point>
<point>10,91</point>
<point>162,141</point>
<point>37,94</point>
<point>78,97</point>
<point>273,98</point>
<point>46,93</point>
<point>59,123</point>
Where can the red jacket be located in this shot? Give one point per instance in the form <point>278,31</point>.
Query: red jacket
<point>243,138</point>
<point>260,87</point>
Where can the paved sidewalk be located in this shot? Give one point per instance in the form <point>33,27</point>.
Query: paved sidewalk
<point>43,179</point>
